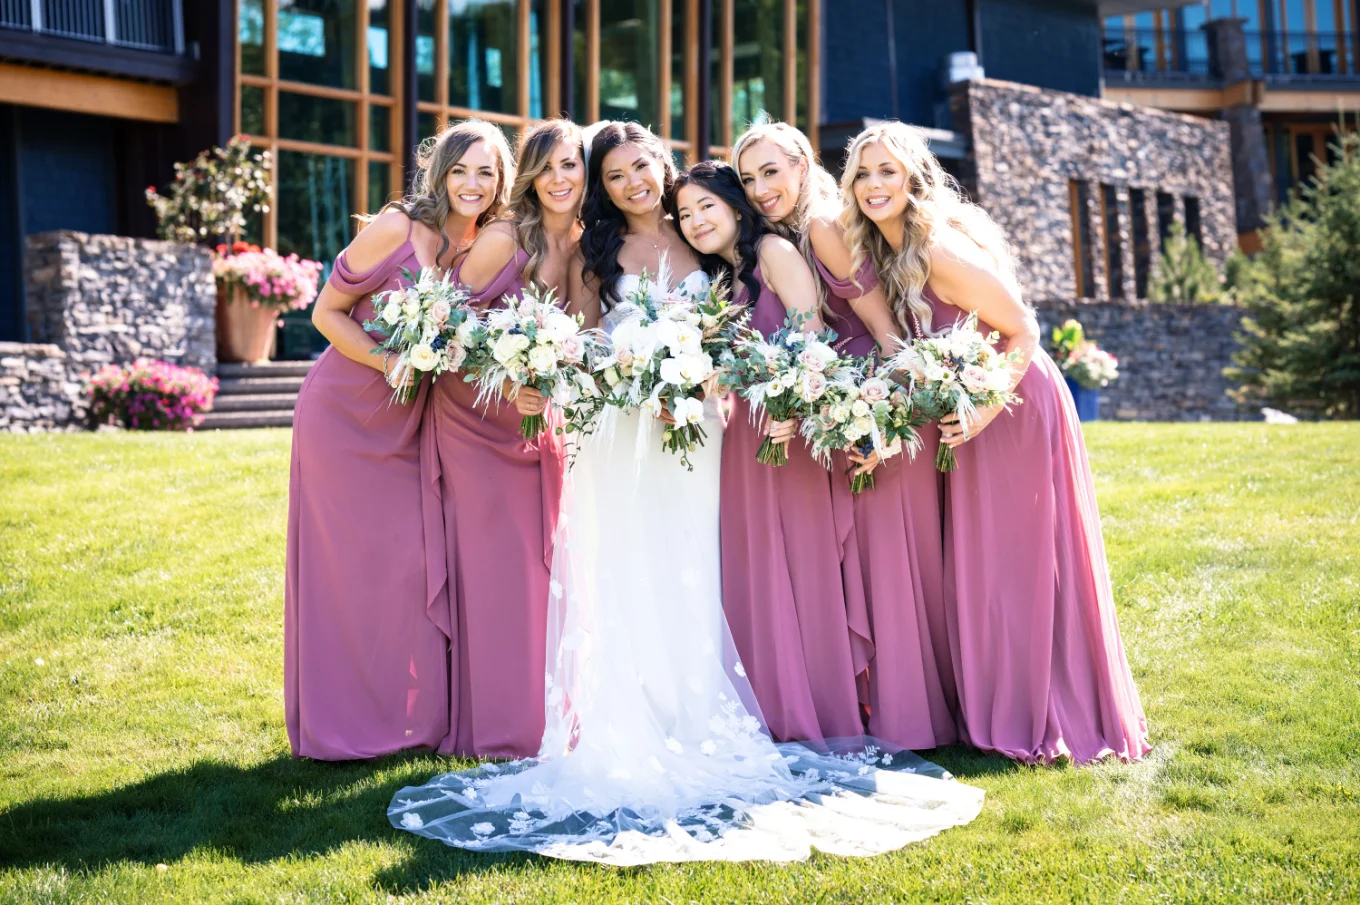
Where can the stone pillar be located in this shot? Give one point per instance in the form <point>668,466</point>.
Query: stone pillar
<point>1253,185</point>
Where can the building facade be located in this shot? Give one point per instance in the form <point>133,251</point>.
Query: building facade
<point>98,98</point>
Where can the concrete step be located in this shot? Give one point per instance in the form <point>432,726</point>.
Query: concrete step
<point>265,369</point>
<point>238,420</point>
<point>255,402</point>
<point>238,386</point>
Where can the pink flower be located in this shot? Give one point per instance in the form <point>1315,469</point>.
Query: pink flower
<point>573,348</point>
<point>811,360</point>
<point>974,379</point>
<point>875,389</point>
<point>440,312</point>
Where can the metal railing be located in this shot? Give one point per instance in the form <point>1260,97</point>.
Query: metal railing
<point>1304,53</point>
<point>156,25</point>
<point>1179,52</point>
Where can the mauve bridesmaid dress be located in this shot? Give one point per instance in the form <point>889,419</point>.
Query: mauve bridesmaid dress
<point>900,550</point>
<point>1038,660</point>
<point>802,634</point>
<point>365,665</point>
<point>490,509</point>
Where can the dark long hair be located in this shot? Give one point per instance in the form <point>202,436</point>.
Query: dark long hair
<point>605,225</point>
<point>723,181</point>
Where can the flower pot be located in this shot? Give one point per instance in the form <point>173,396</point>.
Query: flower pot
<point>1087,401</point>
<point>244,332</point>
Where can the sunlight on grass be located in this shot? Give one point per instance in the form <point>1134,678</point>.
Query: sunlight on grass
<point>141,706</point>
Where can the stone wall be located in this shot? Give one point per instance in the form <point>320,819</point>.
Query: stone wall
<point>111,299</point>
<point>38,391</point>
<point>97,300</point>
<point>1171,357</point>
<point>1029,146</point>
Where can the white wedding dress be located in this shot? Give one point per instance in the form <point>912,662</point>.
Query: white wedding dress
<point>654,748</point>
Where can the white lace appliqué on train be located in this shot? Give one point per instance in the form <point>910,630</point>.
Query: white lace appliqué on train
<point>654,749</point>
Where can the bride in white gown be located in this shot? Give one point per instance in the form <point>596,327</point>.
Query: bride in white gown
<point>654,749</point>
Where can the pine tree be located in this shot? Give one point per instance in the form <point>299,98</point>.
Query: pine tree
<point>1301,341</point>
<point>1182,273</point>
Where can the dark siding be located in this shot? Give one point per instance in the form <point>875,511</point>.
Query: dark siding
<point>68,172</point>
<point>1049,43</point>
<point>11,287</point>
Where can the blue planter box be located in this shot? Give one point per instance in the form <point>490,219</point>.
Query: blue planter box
<point>1088,401</point>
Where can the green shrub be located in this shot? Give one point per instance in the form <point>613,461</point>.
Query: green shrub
<point>1182,273</point>
<point>1301,339</point>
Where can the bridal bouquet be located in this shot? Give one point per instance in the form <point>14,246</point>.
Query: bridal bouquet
<point>956,372</point>
<point>786,376</point>
<point>865,415</point>
<point>664,354</point>
<point>420,325</point>
<point>528,343</point>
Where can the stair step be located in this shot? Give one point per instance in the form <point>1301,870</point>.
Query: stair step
<point>240,420</point>
<point>236,386</point>
<point>255,402</point>
<point>265,369</point>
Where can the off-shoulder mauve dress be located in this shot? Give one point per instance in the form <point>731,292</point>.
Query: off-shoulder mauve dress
<point>900,550</point>
<point>1037,654</point>
<point>490,507</point>
<point>785,531</point>
<point>365,665</point>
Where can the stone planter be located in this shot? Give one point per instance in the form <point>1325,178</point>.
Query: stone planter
<point>1088,401</point>
<point>245,333</point>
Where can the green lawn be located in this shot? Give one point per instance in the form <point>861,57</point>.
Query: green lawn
<point>143,756</point>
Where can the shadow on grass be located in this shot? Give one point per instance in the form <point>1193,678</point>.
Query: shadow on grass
<point>277,809</point>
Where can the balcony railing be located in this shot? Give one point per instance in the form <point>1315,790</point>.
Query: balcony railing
<point>156,25</point>
<point>1184,54</point>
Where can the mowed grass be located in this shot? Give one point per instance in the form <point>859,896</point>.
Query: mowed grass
<point>143,756</point>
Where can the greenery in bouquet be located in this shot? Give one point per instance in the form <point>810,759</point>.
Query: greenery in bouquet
<point>866,414</point>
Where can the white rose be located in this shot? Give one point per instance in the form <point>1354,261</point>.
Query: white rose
<point>841,413</point>
<point>559,326</point>
<point>852,433</point>
<point>466,329</point>
<point>391,312</point>
<point>505,348</point>
<point>521,341</point>
<point>542,358</point>
<point>859,408</point>
<point>611,377</point>
<point>423,358</point>
<point>863,425</point>
<point>411,308</point>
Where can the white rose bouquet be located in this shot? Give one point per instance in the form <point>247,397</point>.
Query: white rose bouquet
<point>419,326</point>
<point>665,353</point>
<point>528,343</point>
<point>787,376</point>
<point>865,415</point>
<point>956,371</point>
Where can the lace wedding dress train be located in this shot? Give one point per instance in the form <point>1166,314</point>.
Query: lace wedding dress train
<point>654,748</point>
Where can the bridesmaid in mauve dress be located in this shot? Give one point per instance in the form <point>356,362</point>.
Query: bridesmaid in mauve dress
<point>781,538</point>
<point>1038,660</point>
<point>365,657</point>
<point>490,496</point>
<point>897,558</point>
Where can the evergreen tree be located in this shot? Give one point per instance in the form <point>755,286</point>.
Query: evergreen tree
<point>1301,341</point>
<point>1182,273</point>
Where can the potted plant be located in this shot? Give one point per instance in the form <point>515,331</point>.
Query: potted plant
<point>1085,366</point>
<point>208,204</point>
<point>258,285</point>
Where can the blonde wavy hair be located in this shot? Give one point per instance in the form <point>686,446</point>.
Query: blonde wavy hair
<point>817,192</point>
<point>428,201</point>
<point>525,210</point>
<point>934,202</point>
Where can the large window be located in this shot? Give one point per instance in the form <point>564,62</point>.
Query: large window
<point>765,60</point>
<point>490,59</point>
<point>316,85</point>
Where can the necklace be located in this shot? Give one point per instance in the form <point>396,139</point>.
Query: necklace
<point>655,247</point>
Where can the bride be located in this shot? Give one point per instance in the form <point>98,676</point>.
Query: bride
<point>654,748</point>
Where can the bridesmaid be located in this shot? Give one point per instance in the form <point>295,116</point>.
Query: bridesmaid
<point>365,661</point>
<point>896,555</point>
<point>1037,656</point>
<point>491,497</point>
<point>782,586</point>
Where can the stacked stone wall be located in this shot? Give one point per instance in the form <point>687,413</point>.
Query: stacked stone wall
<point>95,300</point>
<point>1171,357</point>
<point>1027,148</point>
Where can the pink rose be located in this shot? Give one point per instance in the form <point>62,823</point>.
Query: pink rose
<point>814,386</point>
<point>573,348</point>
<point>456,355</point>
<point>440,312</point>
<point>974,378</point>
<point>874,390</point>
<point>809,359</point>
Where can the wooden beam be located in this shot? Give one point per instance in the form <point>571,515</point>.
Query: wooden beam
<point>361,130</point>
<point>663,81</point>
<point>592,61</point>
<point>727,48</point>
<point>552,61</point>
<point>522,57</point>
<point>83,93</point>
<point>791,62</point>
<point>814,75</point>
<point>441,53</point>
<point>692,37</point>
<point>271,116</point>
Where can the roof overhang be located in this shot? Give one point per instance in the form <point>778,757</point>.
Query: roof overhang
<point>1126,7</point>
